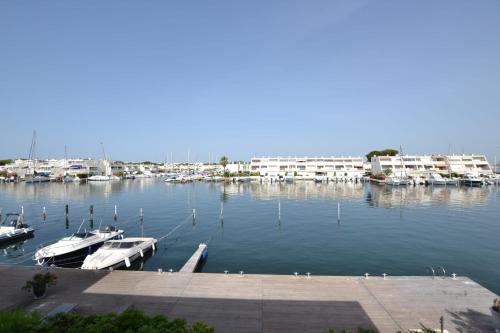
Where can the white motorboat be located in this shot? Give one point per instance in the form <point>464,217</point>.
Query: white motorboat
<point>435,179</point>
<point>73,249</point>
<point>119,253</point>
<point>102,178</point>
<point>471,180</point>
<point>13,227</point>
<point>393,181</point>
<point>142,175</point>
<point>451,181</point>
<point>36,178</point>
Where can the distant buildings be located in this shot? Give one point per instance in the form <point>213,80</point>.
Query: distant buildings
<point>272,167</point>
<point>308,167</point>
<point>423,165</point>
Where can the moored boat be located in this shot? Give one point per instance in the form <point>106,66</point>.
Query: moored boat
<point>13,227</point>
<point>72,249</point>
<point>119,253</point>
<point>393,181</point>
<point>471,180</point>
<point>435,179</point>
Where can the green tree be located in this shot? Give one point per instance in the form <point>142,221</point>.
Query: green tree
<point>385,152</point>
<point>224,161</point>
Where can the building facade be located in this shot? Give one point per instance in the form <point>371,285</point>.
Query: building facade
<point>423,165</point>
<point>308,167</point>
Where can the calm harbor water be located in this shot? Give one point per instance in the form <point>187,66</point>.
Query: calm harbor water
<point>398,231</point>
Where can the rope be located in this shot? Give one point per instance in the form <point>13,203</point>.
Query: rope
<point>175,228</point>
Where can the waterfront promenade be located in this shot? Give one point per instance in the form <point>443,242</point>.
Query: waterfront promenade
<point>265,303</point>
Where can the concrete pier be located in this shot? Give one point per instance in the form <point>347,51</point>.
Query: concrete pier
<point>266,303</point>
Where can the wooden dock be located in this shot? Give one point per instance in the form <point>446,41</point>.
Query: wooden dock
<point>266,303</point>
<point>192,263</point>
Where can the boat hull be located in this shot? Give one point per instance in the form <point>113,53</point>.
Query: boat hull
<point>471,183</point>
<point>74,258</point>
<point>12,237</point>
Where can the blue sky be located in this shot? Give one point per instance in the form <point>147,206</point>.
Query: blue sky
<point>151,78</point>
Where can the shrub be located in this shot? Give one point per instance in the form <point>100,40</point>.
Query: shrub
<point>130,321</point>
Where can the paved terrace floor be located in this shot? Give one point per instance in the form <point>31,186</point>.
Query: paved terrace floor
<point>266,303</point>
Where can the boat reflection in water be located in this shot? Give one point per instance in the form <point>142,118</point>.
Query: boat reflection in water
<point>15,248</point>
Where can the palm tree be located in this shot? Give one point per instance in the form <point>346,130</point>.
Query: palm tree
<point>224,161</point>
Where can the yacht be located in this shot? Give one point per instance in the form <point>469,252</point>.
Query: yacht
<point>119,253</point>
<point>435,179</point>
<point>72,249</point>
<point>471,180</point>
<point>13,227</point>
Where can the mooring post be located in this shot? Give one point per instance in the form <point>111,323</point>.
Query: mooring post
<point>194,216</point>
<point>66,209</point>
<point>44,213</point>
<point>1,214</point>
<point>141,214</point>
<point>338,212</point>
<point>279,210</point>
<point>115,215</point>
<point>91,216</point>
<point>222,211</point>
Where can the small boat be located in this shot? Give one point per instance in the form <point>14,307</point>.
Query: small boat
<point>217,178</point>
<point>393,181</point>
<point>319,179</point>
<point>73,249</point>
<point>119,253</point>
<point>99,178</point>
<point>36,178</point>
<point>143,175</point>
<point>13,228</point>
<point>450,181</point>
<point>471,180</point>
<point>435,179</point>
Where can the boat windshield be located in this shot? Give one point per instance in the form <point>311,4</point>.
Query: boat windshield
<point>121,245</point>
<point>77,236</point>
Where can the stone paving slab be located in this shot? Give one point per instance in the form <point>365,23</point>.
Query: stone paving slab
<point>265,303</point>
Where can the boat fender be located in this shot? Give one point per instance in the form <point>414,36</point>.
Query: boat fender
<point>127,262</point>
<point>142,254</point>
<point>153,246</point>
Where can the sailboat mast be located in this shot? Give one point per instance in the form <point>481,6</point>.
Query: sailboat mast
<point>65,160</point>
<point>402,163</point>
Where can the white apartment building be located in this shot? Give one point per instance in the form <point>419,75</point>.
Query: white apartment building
<point>308,167</point>
<point>422,165</point>
<point>476,164</point>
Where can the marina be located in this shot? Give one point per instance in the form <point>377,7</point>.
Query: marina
<point>343,228</point>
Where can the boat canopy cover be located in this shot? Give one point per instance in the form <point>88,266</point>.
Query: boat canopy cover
<point>76,166</point>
